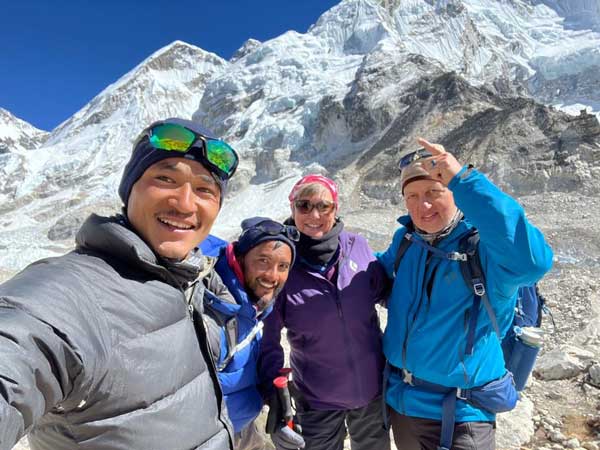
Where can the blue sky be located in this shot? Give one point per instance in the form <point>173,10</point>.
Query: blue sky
<point>55,56</point>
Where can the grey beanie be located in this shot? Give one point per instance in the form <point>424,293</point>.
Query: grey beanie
<point>144,155</point>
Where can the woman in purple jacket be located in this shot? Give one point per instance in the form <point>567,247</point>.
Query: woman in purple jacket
<point>328,308</point>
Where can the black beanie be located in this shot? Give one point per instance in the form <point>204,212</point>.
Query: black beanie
<point>252,236</point>
<point>144,155</point>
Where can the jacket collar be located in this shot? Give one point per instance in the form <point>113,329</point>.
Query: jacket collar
<point>234,283</point>
<point>234,264</point>
<point>461,229</point>
<point>115,236</point>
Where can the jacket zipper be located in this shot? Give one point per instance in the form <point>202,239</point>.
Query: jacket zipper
<point>338,304</point>
<point>349,351</point>
<point>410,326</point>
<point>189,301</point>
<point>189,298</point>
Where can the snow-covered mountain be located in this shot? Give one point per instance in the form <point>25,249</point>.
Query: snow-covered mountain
<point>578,14</point>
<point>17,139</point>
<point>366,79</point>
<point>503,43</point>
<point>18,136</point>
<point>95,141</point>
<point>77,168</point>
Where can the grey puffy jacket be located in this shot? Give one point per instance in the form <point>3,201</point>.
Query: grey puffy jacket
<point>98,350</point>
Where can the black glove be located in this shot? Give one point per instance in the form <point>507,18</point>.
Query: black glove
<point>282,435</point>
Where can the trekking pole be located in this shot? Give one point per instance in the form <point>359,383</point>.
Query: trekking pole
<point>281,383</point>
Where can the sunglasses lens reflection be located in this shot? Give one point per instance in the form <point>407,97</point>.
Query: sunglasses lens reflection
<point>170,136</point>
<point>221,155</point>
<point>406,160</point>
<point>216,153</point>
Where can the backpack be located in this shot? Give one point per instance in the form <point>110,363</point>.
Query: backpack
<point>520,345</point>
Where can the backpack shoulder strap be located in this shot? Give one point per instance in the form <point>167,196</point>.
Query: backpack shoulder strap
<point>473,275</point>
<point>404,244</point>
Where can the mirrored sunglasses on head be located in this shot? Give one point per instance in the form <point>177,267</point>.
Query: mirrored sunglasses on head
<point>219,156</point>
<point>273,228</point>
<point>408,159</point>
<point>306,207</point>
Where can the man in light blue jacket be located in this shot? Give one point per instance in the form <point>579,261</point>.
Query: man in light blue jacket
<point>430,361</point>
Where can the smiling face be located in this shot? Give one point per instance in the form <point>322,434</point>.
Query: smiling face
<point>266,268</point>
<point>314,223</point>
<point>430,205</point>
<point>173,206</point>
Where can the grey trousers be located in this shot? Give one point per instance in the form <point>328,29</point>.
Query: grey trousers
<point>415,433</point>
<point>249,438</point>
<point>326,430</point>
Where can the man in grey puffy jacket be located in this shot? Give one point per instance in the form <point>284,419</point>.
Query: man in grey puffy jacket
<point>104,347</point>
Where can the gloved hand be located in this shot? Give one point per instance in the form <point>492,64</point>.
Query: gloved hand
<point>281,434</point>
<point>285,438</point>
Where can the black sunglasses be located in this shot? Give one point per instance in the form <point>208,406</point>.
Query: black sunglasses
<point>306,207</point>
<point>408,159</point>
<point>273,228</point>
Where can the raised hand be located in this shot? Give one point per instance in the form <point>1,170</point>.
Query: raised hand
<point>441,165</point>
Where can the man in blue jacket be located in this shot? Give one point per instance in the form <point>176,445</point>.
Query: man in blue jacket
<point>431,364</point>
<point>254,269</point>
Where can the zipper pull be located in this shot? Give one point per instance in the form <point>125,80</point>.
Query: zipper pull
<point>191,310</point>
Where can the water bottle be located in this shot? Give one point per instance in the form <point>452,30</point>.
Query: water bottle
<point>528,341</point>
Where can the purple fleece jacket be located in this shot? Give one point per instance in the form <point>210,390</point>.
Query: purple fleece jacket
<point>333,330</point>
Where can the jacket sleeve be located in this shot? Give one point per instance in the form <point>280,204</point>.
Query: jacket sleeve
<point>48,334</point>
<point>271,352</point>
<point>380,283</point>
<point>513,251</point>
<point>37,369</point>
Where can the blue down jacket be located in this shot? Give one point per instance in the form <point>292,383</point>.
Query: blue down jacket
<point>238,376</point>
<point>430,302</point>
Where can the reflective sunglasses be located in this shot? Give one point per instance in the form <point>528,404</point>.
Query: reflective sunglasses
<point>407,160</point>
<point>306,207</point>
<point>273,228</point>
<point>218,155</point>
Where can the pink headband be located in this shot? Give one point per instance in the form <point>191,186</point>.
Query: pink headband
<point>313,178</point>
